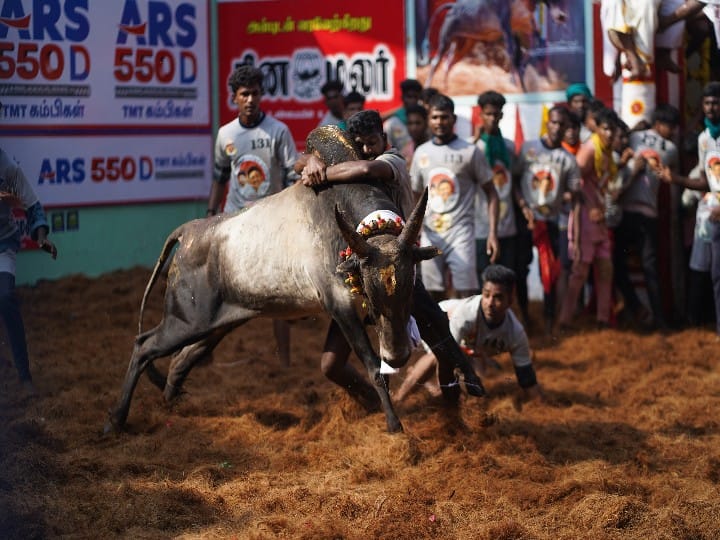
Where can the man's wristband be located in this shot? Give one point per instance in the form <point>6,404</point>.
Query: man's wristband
<point>210,212</point>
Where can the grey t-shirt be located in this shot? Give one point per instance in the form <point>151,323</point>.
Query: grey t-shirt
<point>502,179</point>
<point>641,194</point>
<point>545,174</point>
<point>468,327</point>
<point>400,190</point>
<point>257,161</point>
<point>453,172</point>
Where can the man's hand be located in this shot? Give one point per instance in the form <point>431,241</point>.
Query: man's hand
<point>626,155</point>
<point>47,245</point>
<point>664,173</point>
<point>596,215</point>
<point>638,164</point>
<point>493,248</point>
<point>313,174</point>
<point>529,216</point>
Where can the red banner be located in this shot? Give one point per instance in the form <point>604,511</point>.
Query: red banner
<point>301,45</point>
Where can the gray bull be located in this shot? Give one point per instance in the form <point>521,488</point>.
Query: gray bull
<point>279,259</point>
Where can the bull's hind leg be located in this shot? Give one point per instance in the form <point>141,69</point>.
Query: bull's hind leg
<point>163,340</point>
<point>186,359</point>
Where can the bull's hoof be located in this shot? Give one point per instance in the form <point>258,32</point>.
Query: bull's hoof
<point>110,427</point>
<point>395,427</point>
<point>474,385</point>
<point>113,424</point>
<point>172,393</point>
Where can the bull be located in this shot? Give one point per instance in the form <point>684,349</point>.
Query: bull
<point>279,259</point>
<point>487,21</point>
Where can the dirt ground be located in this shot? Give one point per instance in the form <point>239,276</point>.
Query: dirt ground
<point>626,446</point>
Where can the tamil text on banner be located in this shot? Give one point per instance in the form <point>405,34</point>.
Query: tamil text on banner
<point>301,45</point>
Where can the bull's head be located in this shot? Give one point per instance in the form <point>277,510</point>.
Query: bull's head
<point>386,266</point>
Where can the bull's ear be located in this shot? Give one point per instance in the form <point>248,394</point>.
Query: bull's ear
<point>411,231</point>
<point>350,265</point>
<point>356,242</point>
<point>425,253</point>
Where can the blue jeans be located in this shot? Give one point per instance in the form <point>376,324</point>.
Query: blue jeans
<point>10,310</point>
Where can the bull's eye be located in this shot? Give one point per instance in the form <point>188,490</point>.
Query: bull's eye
<point>387,275</point>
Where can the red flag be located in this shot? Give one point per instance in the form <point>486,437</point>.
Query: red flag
<point>549,264</point>
<point>519,135</point>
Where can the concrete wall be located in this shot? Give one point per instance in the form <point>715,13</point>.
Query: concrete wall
<point>108,238</point>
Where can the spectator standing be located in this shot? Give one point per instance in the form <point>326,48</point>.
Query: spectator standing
<point>638,228</point>
<point>579,97</point>
<point>589,239</point>
<point>500,154</point>
<point>544,172</point>
<point>709,180</point>
<point>354,102</point>
<point>17,192</point>
<point>453,170</point>
<point>332,91</point>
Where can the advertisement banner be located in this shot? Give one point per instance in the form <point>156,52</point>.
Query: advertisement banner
<point>82,64</point>
<point>465,47</point>
<point>301,45</point>
<point>84,170</point>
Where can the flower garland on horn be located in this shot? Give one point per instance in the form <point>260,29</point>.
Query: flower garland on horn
<point>379,222</point>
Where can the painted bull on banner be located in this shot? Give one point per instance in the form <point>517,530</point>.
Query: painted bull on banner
<point>279,259</point>
<point>468,22</point>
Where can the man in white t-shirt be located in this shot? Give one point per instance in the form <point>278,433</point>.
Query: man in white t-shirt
<point>453,170</point>
<point>384,164</point>
<point>485,326</point>
<point>708,155</point>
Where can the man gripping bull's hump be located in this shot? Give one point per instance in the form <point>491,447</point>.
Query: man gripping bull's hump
<point>213,286</point>
<point>389,167</point>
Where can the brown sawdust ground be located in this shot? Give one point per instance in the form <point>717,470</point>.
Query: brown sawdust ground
<point>627,445</point>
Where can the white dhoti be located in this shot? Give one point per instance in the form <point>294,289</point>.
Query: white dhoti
<point>636,17</point>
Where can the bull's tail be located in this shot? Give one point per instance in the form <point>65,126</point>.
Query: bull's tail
<point>425,52</point>
<point>170,243</point>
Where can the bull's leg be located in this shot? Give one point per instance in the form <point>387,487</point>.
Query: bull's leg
<point>334,365</point>
<point>449,61</point>
<point>186,359</point>
<point>460,49</point>
<point>435,331</point>
<point>355,333</point>
<point>442,50</point>
<point>165,339</point>
<point>142,355</point>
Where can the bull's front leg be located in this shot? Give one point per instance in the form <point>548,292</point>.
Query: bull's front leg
<point>357,337</point>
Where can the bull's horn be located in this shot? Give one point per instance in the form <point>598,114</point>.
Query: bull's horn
<point>411,231</point>
<point>355,240</point>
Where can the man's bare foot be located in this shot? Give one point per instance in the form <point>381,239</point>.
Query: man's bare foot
<point>636,66</point>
